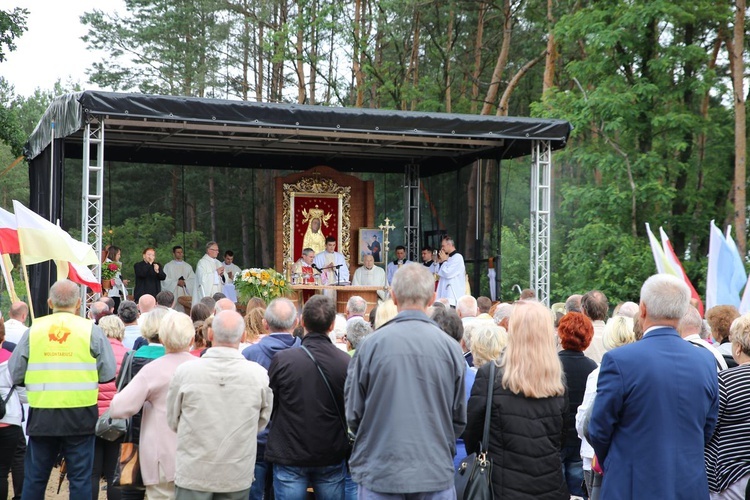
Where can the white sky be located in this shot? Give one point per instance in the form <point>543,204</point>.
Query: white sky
<point>52,48</point>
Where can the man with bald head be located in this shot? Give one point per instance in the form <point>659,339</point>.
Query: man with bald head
<point>216,407</point>
<point>656,405</point>
<point>280,320</point>
<point>690,327</point>
<point>224,305</point>
<point>16,325</point>
<point>369,274</point>
<point>61,360</point>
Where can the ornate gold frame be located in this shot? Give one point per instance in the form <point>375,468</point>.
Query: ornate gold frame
<point>321,188</point>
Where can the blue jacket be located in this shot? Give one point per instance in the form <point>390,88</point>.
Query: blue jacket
<point>656,407</point>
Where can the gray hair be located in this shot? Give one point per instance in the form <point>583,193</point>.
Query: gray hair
<point>128,311</point>
<point>356,330</point>
<point>467,306</point>
<point>487,341</point>
<point>356,305</point>
<point>307,251</point>
<point>691,323</point>
<point>228,327</point>
<point>150,326</point>
<point>64,294</point>
<point>666,297</point>
<point>176,332</point>
<point>413,285</point>
<point>502,311</point>
<point>628,309</point>
<point>573,304</point>
<point>210,244</point>
<point>739,333</point>
<point>113,327</point>
<point>281,315</point>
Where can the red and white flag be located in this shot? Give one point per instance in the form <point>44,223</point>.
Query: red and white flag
<point>677,269</point>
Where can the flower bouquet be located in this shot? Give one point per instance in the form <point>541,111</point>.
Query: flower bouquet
<point>109,273</point>
<point>266,284</point>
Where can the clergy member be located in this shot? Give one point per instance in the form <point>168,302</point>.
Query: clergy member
<point>452,272</point>
<point>331,261</point>
<point>400,261</point>
<point>303,267</point>
<point>208,274</point>
<point>230,268</point>
<point>369,274</point>
<point>180,277</point>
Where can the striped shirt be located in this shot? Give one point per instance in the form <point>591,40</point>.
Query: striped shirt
<point>728,453</point>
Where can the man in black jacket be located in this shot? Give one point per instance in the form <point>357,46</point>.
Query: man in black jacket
<point>308,443</point>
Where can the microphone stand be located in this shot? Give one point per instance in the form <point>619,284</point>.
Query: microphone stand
<point>450,287</point>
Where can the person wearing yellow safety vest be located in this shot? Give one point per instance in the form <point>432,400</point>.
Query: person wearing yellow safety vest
<point>61,360</point>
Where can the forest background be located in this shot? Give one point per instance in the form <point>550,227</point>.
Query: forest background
<point>654,89</point>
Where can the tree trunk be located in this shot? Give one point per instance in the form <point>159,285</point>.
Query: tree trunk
<point>502,108</point>
<point>502,60</point>
<point>356,66</point>
<point>300,56</point>
<point>313,51</point>
<point>259,64</point>
<point>412,74</point>
<point>478,43</point>
<point>175,194</point>
<point>244,223</point>
<point>740,140</point>
<point>212,202</point>
<point>488,184</point>
<point>448,53</point>
<point>549,66</point>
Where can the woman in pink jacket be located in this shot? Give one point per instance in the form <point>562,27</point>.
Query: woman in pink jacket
<point>106,452</point>
<point>148,389</point>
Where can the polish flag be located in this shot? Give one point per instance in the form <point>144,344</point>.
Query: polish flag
<point>78,274</point>
<point>677,269</point>
<point>8,233</point>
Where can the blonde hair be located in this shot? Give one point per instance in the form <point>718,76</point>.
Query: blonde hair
<point>386,311</point>
<point>150,326</point>
<point>530,364</point>
<point>487,341</point>
<point>618,331</point>
<point>254,324</point>
<point>739,333</point>
<point>112,326</point>
<point>176,332</point>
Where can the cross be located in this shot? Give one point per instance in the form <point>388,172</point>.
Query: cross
<point>386,229</point>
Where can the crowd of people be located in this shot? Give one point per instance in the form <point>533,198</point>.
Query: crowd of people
<point>648,401</point>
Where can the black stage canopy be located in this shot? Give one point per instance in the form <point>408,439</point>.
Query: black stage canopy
<point>214,132</point>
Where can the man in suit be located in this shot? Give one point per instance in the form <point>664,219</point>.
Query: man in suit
<point>656,405</point>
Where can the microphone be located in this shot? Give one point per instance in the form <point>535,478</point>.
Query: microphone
<point>314,266</point>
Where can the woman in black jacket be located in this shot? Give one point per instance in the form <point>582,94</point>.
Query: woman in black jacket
<point>529,404</point>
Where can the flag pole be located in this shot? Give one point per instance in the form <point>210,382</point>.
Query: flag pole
<point>28,288</point>
<point>8,279</point>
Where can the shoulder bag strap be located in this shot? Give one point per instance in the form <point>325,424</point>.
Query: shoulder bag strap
<point>330,391</point>
<point>490,387</point>
<point>12,388</point>
<point>125,369</point>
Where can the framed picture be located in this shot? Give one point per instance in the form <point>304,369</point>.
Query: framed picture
<point>314,210</point>
<point>371,243</point>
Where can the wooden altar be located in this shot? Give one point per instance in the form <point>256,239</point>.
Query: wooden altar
<point>342,295</point>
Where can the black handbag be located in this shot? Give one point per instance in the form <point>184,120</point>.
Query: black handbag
<point>110,428</point>
<point>4,402</point>
<point>473,477</point>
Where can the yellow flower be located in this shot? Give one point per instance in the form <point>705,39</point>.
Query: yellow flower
<point>264,282</point>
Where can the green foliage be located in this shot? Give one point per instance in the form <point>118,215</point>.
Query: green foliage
<point>12,26</point>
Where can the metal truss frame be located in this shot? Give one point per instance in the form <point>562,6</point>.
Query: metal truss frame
<point>541,194</point>
<point>92,198</point>
<point>411,211</point>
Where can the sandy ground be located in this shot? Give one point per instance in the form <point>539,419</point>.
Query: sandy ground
<point>52,487</point>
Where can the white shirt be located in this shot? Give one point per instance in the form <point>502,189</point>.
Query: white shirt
<point>14,330</point>
<point>452,282</point>
<point>132,333</point>
<point>207,280</point>
<point>174,269</point>
<point>697,340</point>
<point>393,266</point>
<point>369,277</point>
<point>231,268</point>
<point>587,452</point>
<point>596,350</point>
<point>325,258</point>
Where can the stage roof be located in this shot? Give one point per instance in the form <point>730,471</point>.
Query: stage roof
<point>215,132</point>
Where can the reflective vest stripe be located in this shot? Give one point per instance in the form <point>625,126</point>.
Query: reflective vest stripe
<point>61,366</point>
<point>62,386</point>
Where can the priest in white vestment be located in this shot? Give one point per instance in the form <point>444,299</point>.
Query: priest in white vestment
<point>452,273</point>
<point>327,260</point>
<point>180,277</point>
<point>208,274</point>
<point>369,274</point>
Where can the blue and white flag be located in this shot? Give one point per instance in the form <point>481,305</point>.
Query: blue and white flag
<point>726,271</point>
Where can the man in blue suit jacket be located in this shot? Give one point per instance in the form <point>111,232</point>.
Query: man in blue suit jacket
<point>656,405</point>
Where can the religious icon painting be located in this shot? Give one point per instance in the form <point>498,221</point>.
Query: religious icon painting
<point>371,243</point>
